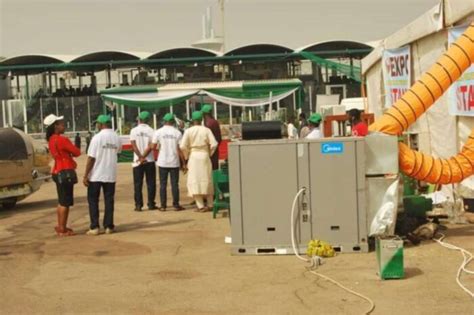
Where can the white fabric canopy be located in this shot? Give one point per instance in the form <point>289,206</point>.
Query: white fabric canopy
<point>251,102</point>
<point>152,97</point>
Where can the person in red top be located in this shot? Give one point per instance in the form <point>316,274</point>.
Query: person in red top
<point>359,128</point>
<point>63,151</point>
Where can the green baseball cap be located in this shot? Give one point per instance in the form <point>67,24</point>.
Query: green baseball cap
<point>169,117</point>
<point>144,115</point>
<point>103,119</point>
<point>196,116</point>
<point>206,108</point>
<point>315,118</point>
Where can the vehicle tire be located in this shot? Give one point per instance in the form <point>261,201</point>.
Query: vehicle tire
<point>8,205</point>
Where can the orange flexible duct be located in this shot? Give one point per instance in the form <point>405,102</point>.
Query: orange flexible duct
<point>416,101</point>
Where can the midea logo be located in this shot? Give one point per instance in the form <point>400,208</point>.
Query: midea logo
<point>332,148</point>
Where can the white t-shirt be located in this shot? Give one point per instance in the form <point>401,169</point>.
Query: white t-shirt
<point>104,148</point>
<point>168,138</point>
<point>314,134</point>
<point>142,135</point>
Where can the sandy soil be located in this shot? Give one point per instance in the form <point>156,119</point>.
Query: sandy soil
<point>178,263</point>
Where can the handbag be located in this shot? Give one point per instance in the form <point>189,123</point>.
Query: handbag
<point>65,176</point>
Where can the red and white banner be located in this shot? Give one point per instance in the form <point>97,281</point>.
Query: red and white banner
<point>461,92</point>
<point>396,73</point>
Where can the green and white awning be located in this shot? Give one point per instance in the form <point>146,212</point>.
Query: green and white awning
<point>237,93</point>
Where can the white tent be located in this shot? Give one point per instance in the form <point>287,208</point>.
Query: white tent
<point>440,133</point>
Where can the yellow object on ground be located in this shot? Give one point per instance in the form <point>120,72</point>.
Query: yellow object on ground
<point>320,248</point>
<point>416,101</point>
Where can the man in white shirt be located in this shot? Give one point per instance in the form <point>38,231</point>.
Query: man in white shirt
<point>314,121</point>
<point>101,173</point>
<point>143,165</point>
<point>170,158</point>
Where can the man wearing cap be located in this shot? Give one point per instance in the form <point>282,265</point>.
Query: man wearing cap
<point>101,173</point>
<point>314,121</point>
<point>212,124</point>
<point>199,144</point>
<point>143,162</point>
<point>170,158</point>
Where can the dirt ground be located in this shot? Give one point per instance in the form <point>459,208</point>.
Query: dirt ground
<point>178,263</point>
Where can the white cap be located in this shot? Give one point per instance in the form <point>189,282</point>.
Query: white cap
<point>51,119</point>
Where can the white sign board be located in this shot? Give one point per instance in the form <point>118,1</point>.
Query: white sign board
<point>396,73</point>
<point>461,92</point>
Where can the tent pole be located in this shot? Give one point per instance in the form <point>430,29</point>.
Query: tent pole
<point>215,110</point>
<point>188,116</point>
<point>5,118</point>
<point>17,85</point>
<point>310,91</point>
<point>10,115</point>
<point>41,115</point>
<point>294,101</point>
<point>27,87</point>
<point>73,117</point>
<point>230,114</point>
<point>57,107</point>
<point>88,114</point>
<point>25,118</point>
<point>50,81</point>
<point>113,117</point>
<point>270,109</point>
<point>154,121</point>
<point>171,109</point>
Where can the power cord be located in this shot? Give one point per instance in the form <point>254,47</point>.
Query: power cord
<point>315,261</point>
<point>467,258</point>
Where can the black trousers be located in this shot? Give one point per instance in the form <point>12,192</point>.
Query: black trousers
<point>174,175</point>
<point>93,194</point>
<point>147,170</point>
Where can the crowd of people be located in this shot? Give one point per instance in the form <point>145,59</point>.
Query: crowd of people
<point>79,91</point>
<point>309,128</point>
<point>194,153</point>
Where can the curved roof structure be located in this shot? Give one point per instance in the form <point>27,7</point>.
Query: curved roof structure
<point>107,56</point>
<point>259,49</point>
<point>184,52</point>
<point>332,48</point>
<point>35,59</point>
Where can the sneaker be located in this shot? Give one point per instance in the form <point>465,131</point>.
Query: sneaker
<point>95,231</point>
<point>109,231</point>
<point>138,209</point>
<point>153,208</point>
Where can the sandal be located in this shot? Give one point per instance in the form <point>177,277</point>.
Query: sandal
<point>56,228</point>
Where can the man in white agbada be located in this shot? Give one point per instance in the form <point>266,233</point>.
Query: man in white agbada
<point>198,145</point>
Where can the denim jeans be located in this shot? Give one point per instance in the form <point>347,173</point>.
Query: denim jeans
<point>93,194</point>
<point>174,174</point>
<point>147,170</point>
